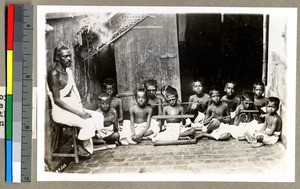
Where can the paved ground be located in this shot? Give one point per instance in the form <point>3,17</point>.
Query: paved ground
<point>207,156</point>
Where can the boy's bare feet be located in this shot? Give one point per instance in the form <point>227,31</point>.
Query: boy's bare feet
<point>213,125</point>
<point>130,141</point>
<point>256,144</point>
<point>118,143</point>
<point>124,141</point>
<point>184,138</point>
<point>249,137</point>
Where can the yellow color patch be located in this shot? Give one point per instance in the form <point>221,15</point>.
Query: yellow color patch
<point>9,68</point>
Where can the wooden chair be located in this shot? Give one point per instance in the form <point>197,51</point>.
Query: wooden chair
<point>57,152</point>
<point>57,139</point>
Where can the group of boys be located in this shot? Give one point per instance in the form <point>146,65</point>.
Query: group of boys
<point>250,116</point>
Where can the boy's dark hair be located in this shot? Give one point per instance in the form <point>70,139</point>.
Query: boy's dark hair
<point>141,90</point>
<point>163,91</point>
<point>275,100</point>
<point>103,95</point>
<point>248,94</point>
<point>164,88</point>
<point>58,50</point>
<point>260,83</point>
<point>199,79</point>
<point>171,91</point>
<point>150,82</point>
<point>214,89</point>
<point>232,82</point>
<point>109,81</point>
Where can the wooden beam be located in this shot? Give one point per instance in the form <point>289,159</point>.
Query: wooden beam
<point>174,142</point>
<point>104,147</point>
<point>181,103</point>
<point>250,111</point>
<point>173,116</point>
<point>129,94</point>
<point>121,95</point>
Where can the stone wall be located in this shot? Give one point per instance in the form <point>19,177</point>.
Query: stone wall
<point>277,79</point>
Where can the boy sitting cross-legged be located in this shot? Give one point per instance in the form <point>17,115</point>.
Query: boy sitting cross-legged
<point>109,87</point>
<point>247,117</point>
<point>230,98</point>
<point>140,121</point>
<point>174,126</point>
<point>154,101</point>
<point>109,132</point>
<point>259,100</point>
<point>270,132</point>
<point>198,103</point>
<point>216,115</point>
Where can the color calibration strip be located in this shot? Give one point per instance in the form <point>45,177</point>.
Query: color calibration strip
<point>18,131</point>
<point>9,94</point>
<point>17,92</point>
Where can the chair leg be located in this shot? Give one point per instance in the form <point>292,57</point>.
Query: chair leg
<point>75,145</point>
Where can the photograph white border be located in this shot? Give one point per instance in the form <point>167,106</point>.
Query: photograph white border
<point>289,176</point>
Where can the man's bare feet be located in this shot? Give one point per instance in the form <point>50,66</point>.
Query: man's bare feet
<point>83,153</point>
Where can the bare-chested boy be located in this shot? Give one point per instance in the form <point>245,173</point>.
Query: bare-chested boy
<point>259,100</point>
<point>110,132</point>
<point>154,101</point>
<point>199,100</point>
<point>270,132</point>
<point>216,115</point>
<point>247,117</point>
<point>140,121</point>
<point>247,104</point>
<point>109,87</point>
<point>230,98</point>
<point>198,103</point>
<point>174,126</point>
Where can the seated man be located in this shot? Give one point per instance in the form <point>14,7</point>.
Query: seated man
<point>66,103</point>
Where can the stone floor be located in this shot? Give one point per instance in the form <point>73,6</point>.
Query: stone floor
<point>207,156</point>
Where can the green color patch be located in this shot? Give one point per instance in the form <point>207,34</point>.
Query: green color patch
<point>8,117</point>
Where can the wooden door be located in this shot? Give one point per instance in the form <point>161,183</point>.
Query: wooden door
<point>148,51</point>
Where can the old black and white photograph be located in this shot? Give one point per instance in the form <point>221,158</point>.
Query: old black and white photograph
<point>166,93</point>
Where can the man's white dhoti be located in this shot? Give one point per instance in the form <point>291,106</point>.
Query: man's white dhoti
<point>70,95</point>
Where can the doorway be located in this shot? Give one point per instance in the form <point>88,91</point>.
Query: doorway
<point>219,48</point>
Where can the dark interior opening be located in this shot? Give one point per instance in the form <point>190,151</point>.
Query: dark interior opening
<point>220,48</point>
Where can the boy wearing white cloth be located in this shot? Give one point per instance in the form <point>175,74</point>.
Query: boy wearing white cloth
<point>155,102</point>
<point>216,119</point>
<point>270,132</point>
<point>175,127</point>
<point>109,132</point>
<point>230,98</point>
<point>140,124</point>
<point>198,103</point>
<point>245,121</point>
